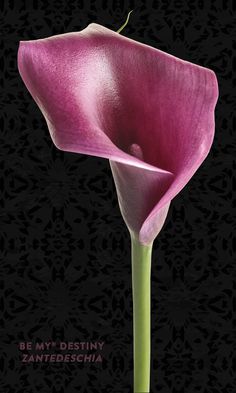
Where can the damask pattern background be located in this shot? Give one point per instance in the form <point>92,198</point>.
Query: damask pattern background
<point>65,263</point>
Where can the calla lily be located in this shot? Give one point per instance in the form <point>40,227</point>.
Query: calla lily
<point>150,113</point>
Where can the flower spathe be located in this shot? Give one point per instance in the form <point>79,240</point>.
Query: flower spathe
<point>150,113</point>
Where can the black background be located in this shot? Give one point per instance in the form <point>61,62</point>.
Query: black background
<point>65,269</point>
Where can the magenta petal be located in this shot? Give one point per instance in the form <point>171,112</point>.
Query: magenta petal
<point>149,113</point>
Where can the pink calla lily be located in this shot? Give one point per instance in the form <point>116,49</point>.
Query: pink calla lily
<point>149,113</point>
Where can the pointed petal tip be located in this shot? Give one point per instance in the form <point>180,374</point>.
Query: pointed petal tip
<point>23,47</point>
<point>26,44</point>
<point>22,54</point>
<point>151,228</point>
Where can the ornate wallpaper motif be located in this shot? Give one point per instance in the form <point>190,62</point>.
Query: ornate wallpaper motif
<point>65,263</point>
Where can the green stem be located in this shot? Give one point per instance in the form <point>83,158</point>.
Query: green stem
<point>141,283</point>
<point>126,22</point>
